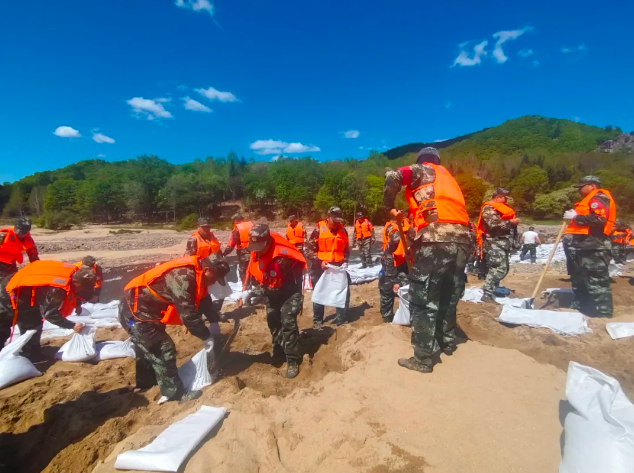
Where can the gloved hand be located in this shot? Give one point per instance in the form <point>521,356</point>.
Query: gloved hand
<point>344,265</point>
<point>570,214</point>
<point>209,344</point>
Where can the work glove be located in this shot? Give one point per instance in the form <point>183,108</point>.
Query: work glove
<point>209,344</point>
<point>570,214</point>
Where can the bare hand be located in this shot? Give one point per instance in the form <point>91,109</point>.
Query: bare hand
<point>395,287</point>
<point>396,215</point>
<point>78,327</point>
<point>515,221</point>
<point>240,303</point>
<point>324,264</point>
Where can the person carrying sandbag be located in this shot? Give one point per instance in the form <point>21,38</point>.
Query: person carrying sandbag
<point>48,290</point>
<point>172,293</point>
<point>393,267</point>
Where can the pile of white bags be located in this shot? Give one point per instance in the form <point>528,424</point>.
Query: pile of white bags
<point>13,367</point>
<point>332,287</point>
<point>114,349</point>
<point>599,433</point>
<point>81,347</point>
<point>169,450</point>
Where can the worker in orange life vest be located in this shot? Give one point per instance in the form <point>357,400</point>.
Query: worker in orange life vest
<point>494,234</point>
<point>202,243</point>
<point>364,237</point>
<point>239,240</point>
<point>328,244</point>
<point>621,235</point>
<point>91,262</point>
<point>14,242</point>
<point>393,267</point>
<point>172,293</point>
<point>276,272</point>
<point>590,248</point>
<point>44,290</point>
<point>295,233</point>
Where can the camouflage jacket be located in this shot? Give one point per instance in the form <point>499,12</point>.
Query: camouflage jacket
<point>48,300</point>
<point>387,260</point>
<point>415,176</point>
<point>311,249</point>
<point>595,220</point>
<point>494,226</point>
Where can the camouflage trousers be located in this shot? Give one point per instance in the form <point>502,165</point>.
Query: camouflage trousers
<point>529,248</point>
<point>243,263</point>
<point>28,319</point>
<point>619,253</point>
<point>281,316</point>
<point>496,255</point>
<point>437,283</point>
<point>590,280</point>
<point>365,250</point>
<point>386,291</point>
<point>318,309</point>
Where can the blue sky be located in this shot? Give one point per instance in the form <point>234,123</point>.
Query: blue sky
<point>186,79</point>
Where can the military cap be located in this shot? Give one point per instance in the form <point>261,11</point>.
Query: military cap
<point>22,225</point>
<point>259,236</point>
<point>584,181</point>
<point>501,191</point>
<point>336,214</point>
<point>292,217</point>
<point>360,215</point>
<point>89,261</point>
<point>218,265</point>
<point>204,222</point>
<point>428,155</point>
<point>85,277</point>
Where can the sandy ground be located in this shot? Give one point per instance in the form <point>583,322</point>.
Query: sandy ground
<point>494,406</point>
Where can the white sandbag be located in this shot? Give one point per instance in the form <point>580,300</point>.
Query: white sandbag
<point>614,270</point>
<point>564,323</point>
<point>358,274</point>
<point>114,349</point>
<point>620,329</point>
<point>217,291</point>
<point>599,433</point>
<point>332,287</point>
<point>13,367</point>
<point>81,347</point>
<point>170,449</point>
<point>557,290</point>
<point>195,373</point>
<point>474,294</point>
<point>402,315</point>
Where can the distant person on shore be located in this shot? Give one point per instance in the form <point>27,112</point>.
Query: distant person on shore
<point>203,243</point>
<point>14,242</point>
<point>364,237</point>
<point>239,240</point>
<point>91,262</point>
<point>295,233</point>
<point>530,242</point>
<point>621,236</point>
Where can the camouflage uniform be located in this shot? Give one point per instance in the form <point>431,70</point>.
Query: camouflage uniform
<point>497,247</point>
<point>244,256</point>
<point>315,273</point>
<point>621,231</point>
<point>390,275</point>
<point>589,259</point>
<point>365,250</point>
<point>154,348</point>
<point>437,278</point>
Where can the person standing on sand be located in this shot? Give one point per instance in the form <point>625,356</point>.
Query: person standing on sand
<point>440,240</point>
<point>295,233</point>
<point>239,240</point>
<point>620,237</point>
<point>364,237</point>
<point>14,242</point>
<point>393,267</point>
<point>530,242</point>
<point>203,243</point>
<point>91,262</point>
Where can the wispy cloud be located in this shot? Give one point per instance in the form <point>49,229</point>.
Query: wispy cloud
<point>576,119</point>
<point>351,133</point>
<point>101,138</point>
<point>465,60</point>
<point>504,36</point>
<point>527,52</point>
<point>440,141</point>
<point>101,155</point>
<point>195,105</point>
<point>149,108</point>
<point>535,63</point>
<point>196,5</point>
<point>567,50</point>
<point>278,147</point>
<point>215,94</point>
<point>66,132</point>
<point>181,87</point>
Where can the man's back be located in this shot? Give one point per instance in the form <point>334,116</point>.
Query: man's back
<point>529,237</point>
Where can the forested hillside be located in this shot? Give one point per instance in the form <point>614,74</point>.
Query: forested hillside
<point>536,158</point>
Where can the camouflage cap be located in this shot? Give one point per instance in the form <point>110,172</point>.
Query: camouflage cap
<point>22,225</point>
<point>237,216</point>
<point>584,181</point>
<point>89,261</point>
<point>85,277</point>
<point>218,265</point>
<point>360,215</point>
<point>336,214</point>
<point>428,155</point>
<point>501,191</point>
<point>259,237</point>
<point>204,222</point>
<point>292,217</point>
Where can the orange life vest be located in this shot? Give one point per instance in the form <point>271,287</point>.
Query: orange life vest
<point>243,228</point>
<point>399,253</point>
<point>620,237</point>
<point>205,248</point>
<point>170,315</point>
<point>99,280</point>
<point>363,228</point>
<point>282,247</point>
<point>583,208</point>
<point>331,247</point>
<point>12,248</point>
<point>295,235</point>
<point>448,197</point>
<point>506,212</point>
<point>41,274</point>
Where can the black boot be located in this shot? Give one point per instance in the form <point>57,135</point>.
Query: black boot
<point>415,365</point>
<point>292,369</point>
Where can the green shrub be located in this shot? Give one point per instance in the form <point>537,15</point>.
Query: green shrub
<point>188,223</point>
<point>62,220</point>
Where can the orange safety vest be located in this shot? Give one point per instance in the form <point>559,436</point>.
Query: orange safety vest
<point>506,212</point>
<point>41,274</point>
<point>204,248</point>
<point>12,248</point>
<point>363,228</point>
<point>448,197</point>
<point>399,253</point>
<point>243,228</point>
<point>295,235</point>
<point>99,280</point>
<point>331,247</point>
<point>583,208</point>
<point>620,237</point>
<point>170,315</point>
<point>281,248</point>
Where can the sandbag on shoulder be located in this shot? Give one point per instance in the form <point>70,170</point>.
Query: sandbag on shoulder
<point>13,367</point>
<point>81,347</point>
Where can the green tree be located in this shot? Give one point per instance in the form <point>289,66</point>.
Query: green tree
<point>530,182</point>
<point>473,190</point>
<point>61,195</point>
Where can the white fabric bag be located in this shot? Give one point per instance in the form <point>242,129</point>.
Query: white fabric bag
<point>115,349</point>
<point>81,347</point>
<point>620,329</point>
<point>565,323</point>
<point>217,291</point>
<point>599,433</point>
<point>170,449</point>
<point>332,287</point>
<point>195,373</point>
<point>402,315</point>
<point>13,367</point>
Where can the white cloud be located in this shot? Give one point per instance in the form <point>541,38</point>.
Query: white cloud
<point>503,37</point>
<point>275,158</point>
<point>214,94</point>
<point>149,108</point>
<point>567,50</point>
<point>527,52</point>
<point>535,63</point>
<point>464,59</point>
<point>100,138</point>
<point>196,5</point>
<point>101,155</point>
<point>66,132</point>
<point>351,134</point>
<point>440,141</point>
<point>278,147</point>
<point>195,105</point>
